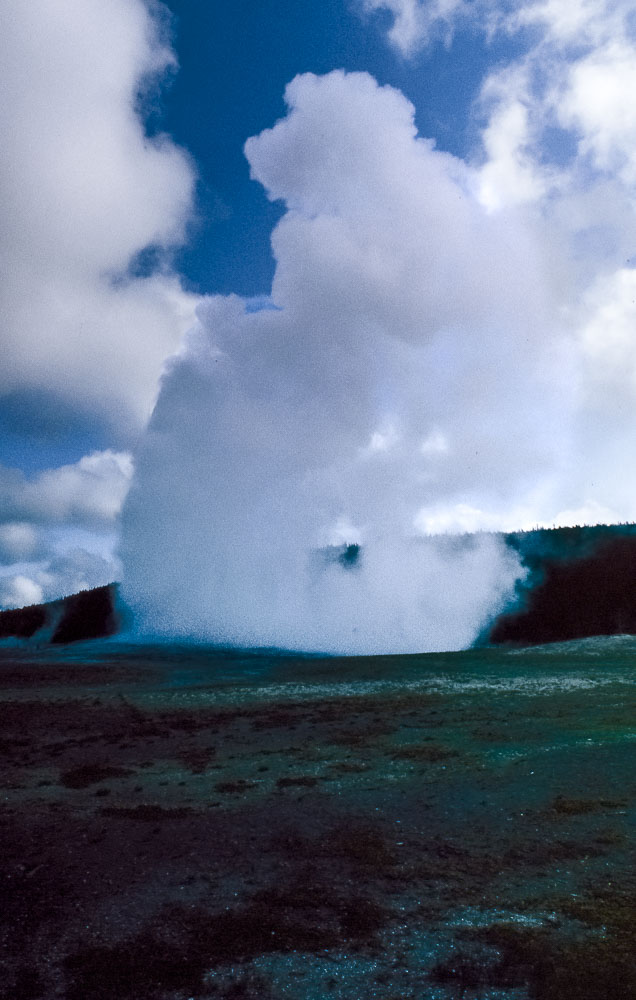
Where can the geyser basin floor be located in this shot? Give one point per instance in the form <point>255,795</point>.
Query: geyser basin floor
<point>180,823</point>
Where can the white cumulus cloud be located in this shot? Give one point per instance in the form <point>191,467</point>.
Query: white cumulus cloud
<point>91,491</point>
<point>415,22</point>
<point>84,190</point>
<point>18,542</point>
<point>58,529</point>
<point>19,591</point>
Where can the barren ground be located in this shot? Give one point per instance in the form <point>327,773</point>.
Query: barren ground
<point>188,824</point>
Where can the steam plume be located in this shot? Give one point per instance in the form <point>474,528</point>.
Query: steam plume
<point>299,450</point>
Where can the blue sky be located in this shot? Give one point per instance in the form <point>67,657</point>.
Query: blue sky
<point>502,256</point>
<point>234,64</point>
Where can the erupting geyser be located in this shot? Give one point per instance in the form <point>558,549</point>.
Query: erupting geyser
<point>302,446</point>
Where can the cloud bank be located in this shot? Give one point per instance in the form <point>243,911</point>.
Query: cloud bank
<point>59,527</point>
<point>84,191</point>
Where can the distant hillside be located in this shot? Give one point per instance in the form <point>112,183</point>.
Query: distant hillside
<point>581,582</point>
<point>90,614</point>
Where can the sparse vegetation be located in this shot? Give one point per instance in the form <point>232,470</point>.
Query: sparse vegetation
<point>576,807</point>
<point>90,774</point>
<point>427,753</point>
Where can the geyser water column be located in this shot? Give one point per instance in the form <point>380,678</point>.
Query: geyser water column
<point>292,448</point>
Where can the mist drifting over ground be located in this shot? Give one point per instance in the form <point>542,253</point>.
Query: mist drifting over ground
<point>406,365</point>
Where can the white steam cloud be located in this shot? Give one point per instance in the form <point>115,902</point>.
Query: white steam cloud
<point>448,347</point>
<point>373,387</point>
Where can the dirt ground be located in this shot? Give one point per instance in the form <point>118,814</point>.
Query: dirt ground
<point>402,828</point>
